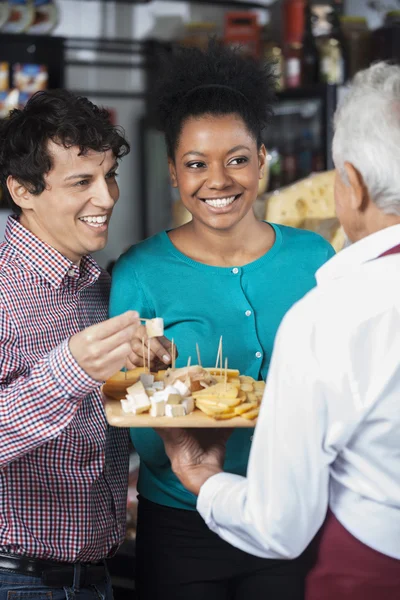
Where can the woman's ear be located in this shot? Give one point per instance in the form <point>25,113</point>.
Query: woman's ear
<point>262,160</point>
<point>19,193</point>
<point>172,173</point>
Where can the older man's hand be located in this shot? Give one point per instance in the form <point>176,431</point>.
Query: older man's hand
<point>195,454</point>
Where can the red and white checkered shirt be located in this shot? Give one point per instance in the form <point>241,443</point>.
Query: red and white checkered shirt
<point>63,470</point>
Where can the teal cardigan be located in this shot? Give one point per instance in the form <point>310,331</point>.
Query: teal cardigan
<point>199,303</point>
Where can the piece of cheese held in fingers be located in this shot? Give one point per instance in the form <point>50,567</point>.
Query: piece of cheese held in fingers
<point>155,327</point>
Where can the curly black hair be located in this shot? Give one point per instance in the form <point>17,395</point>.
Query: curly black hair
<point>217,81</point>
<point>58,116</point>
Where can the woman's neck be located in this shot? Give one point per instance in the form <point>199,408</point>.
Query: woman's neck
<point>244,243</point>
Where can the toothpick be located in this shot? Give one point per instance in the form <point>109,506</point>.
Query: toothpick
<point>219,351</point>
<point>144,356</point>
<point>173,353</point>
<point>220,359</point>
<point>148,355</point>
<point>198,354</point>
<point>189,361</point>
<point>226,372</point>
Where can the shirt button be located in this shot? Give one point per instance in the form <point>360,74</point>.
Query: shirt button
<point>71,272</point>
<point>248,313</point>
<point>235,270</point>
<point>258,355</point>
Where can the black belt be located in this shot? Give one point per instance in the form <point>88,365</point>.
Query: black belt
<point>55,574</point>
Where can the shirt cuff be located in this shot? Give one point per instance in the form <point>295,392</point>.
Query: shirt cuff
<point>70,377</point>
<point>221,485</point>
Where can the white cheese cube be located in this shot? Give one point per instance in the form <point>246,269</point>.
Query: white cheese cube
<point>155,327</point>
<point>174,410</point>
<point>127,406</point>
<point>147,379</point>
<point>136,388</point>
<point>182,388</point>
<point>188,404</point>
<point>139,403</point>
<point>157,409</point>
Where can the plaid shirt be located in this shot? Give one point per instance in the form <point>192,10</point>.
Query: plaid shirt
<point>63,470</point>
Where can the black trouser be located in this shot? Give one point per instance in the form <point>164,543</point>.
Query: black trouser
<point>179,558</point>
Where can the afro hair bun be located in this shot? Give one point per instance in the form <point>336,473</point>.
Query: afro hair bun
<point>218,80</point>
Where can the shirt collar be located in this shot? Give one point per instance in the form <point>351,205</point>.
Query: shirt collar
<point>354,256</point>
<point>44,259</point>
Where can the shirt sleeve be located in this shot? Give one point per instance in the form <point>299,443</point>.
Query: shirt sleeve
<point>36,403</point>
<point>276,511</point>
<point>126,291</point>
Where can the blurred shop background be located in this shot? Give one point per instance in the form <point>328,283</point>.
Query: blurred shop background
<point>107,50</point>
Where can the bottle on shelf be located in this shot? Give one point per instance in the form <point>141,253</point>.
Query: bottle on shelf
<point>332,54</point>
<point>293,21</point>
<point>310,54</point>
<point>293,57</point>
<point>357,43</point>
<point>271,52</point>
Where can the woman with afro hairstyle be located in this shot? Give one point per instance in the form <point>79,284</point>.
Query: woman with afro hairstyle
<point>223,273</point>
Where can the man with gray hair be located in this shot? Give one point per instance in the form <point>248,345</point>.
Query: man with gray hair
<point>325,460</point>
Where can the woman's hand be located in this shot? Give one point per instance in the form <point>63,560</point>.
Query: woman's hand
<point>195,454</point>
<point>160,351</point>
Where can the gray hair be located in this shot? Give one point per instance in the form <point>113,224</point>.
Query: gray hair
<point>367,133</point>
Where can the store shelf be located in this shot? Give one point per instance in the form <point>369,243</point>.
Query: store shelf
<point>228,3</point>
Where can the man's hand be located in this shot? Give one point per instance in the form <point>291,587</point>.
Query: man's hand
<point>103,349</point>
<point>160,351</point>
<point>195,454</point>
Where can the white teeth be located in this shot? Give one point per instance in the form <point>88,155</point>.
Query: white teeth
<point>96,221</point>
<point>220,202</point>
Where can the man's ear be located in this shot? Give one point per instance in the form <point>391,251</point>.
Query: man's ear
<point>19,193</point>
<point>359,195</point>
<point>172,173</point>
<point>262,159</point>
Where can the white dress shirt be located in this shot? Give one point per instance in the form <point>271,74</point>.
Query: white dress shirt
<point>328,433</point>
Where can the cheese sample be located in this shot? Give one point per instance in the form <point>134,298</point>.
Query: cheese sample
<point>136,388</point>
<point>219,390</point>
<point>174,410</point>
<point>188,405</point>
<point>174,399</point>
<point>155,327</point>
<point>136,404</point>
<point>147,379</point>
<point>181,388</point>
<point>157,409</point>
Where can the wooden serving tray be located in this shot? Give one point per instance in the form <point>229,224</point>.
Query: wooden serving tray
<point>116,417</point>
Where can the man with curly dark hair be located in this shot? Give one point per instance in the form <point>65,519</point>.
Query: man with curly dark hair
<point>63,471</point>
<point>223,273</point>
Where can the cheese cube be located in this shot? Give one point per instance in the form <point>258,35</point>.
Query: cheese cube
<point>174,410</point>
<point>147,379</point>
<point>188,404</point>
<point>136,388</point>
<point>182,388</point>
<point>174,399</point>
<point>157,409</point>
<point>138,403</point>
<point>155,327</point>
